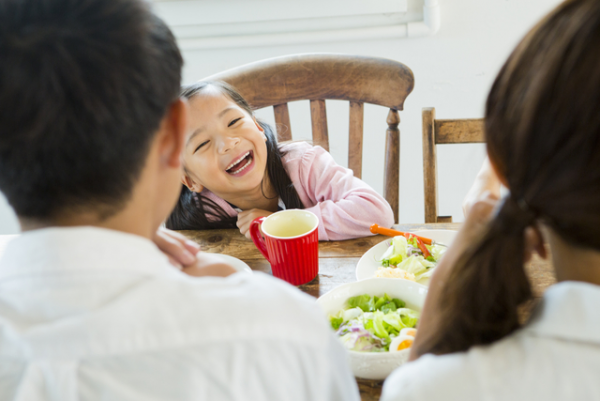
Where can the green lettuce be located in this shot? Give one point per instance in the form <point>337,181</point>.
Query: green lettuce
<point>364,302</point>
<point>436,251</point>
<point>408,316</point>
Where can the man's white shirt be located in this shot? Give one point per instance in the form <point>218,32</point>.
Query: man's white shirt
<point>89,314</point>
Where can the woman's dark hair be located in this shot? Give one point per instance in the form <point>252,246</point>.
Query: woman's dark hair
<point>195,211</point>
<point>543,135</point>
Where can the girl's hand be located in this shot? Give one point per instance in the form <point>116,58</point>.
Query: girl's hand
<point>247,216</point>
<point>180,250</point>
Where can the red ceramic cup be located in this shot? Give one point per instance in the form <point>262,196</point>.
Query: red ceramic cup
<point>290,244</point>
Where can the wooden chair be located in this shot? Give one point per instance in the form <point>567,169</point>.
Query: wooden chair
<point>437,132</point>
<point>317,77</point>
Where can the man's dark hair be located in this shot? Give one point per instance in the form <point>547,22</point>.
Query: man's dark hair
<point>84,85</point>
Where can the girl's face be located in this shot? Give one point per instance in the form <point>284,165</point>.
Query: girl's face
<point>225,149</point>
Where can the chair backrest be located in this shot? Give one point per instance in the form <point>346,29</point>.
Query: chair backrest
<point>320,76</point>
<point>437,132</point>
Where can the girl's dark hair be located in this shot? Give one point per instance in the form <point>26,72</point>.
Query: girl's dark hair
<point>195,211</point>
<point>543,135</point>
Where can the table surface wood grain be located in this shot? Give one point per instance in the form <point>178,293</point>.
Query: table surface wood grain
<point>337,264</point>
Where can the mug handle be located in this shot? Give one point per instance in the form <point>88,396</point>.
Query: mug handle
<point>257,237</point>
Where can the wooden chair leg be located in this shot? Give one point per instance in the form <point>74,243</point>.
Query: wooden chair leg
<point>392,163</point>
<point>429,165</point>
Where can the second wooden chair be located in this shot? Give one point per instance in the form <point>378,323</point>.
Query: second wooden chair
<point>437,132</point>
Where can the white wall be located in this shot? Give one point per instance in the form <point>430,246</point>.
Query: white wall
<point>453,71</point>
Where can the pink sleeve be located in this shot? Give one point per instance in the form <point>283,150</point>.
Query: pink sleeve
<point>345,205</point>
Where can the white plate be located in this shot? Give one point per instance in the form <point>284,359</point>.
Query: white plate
<point>368,265</point>
<point>237,264</point>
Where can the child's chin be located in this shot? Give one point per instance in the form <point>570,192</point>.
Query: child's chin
<point>248,182</point>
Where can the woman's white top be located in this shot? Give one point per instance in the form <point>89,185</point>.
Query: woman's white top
<point>94,314</point>
<point>554,357</point>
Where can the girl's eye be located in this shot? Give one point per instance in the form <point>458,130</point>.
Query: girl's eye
<point>201,145</point>
<point>234,121</point>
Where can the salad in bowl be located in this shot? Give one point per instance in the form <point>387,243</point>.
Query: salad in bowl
<point>409,258</point>
<point>402,257</point>
<point>375,320</point>
<point>375,324</point>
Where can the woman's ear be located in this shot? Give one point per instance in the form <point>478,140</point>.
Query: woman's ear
<point>191,184</point>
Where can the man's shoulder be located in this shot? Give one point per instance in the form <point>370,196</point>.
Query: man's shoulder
<point>256,305</point>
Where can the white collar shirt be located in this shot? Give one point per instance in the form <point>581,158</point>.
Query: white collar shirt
<point>556,356</point>
<point>94,314</point>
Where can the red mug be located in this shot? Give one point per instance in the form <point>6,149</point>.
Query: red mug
<point>290,244</point>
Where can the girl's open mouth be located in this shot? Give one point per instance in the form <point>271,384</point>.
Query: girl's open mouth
<point>241,163</point>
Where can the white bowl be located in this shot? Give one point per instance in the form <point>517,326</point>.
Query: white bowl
<point>375,365</point>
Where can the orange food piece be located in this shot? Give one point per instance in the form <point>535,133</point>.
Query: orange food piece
<point>404,344</point>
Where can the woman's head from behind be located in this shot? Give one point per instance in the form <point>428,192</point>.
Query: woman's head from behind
<point>543,122</point>
<point>543,137</point>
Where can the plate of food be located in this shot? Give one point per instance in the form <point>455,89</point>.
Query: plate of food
<point>405,257</point>
<point>375,320</point>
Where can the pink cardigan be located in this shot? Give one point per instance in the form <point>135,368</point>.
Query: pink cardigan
<point>346,206</point>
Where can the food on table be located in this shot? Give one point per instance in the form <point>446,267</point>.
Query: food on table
<point>401,342</point>
<point>392,272</point>
<point>374,324</point>
<point>409,258</point>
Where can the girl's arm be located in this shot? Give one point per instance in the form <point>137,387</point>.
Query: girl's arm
<point>346,206</point>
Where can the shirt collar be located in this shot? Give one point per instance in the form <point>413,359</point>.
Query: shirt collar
<point>570,311</point>
<point>81,248</point>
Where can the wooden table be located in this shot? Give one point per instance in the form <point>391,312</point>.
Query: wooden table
<point>337,263</point>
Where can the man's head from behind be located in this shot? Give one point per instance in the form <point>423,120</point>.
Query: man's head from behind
<point>84,87</point>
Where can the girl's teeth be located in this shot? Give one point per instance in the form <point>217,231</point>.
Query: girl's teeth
<point>237,161</point>
<point>243,168</point>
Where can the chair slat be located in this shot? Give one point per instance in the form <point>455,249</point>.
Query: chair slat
<point>392,163</point>
<point>429,166</point>
<point>282,122</point>
<point>355,145</point>
<point>318,116</point>
<point>459,131</point>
